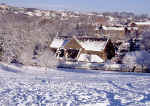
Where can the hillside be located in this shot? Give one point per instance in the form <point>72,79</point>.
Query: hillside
<point>26,33</point>
<point>33,86</point>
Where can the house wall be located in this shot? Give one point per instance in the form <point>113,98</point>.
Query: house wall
<point>142,27</point>
<point>53,50</point>
<point>103,54</point>
<point>112,32</point>
<point>109,50</point>
<point>73,44</point>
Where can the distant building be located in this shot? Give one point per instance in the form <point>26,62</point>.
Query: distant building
<point>116,30</point>
<point>141,25</point>
<point>4,7</point>
<point>86,49</point>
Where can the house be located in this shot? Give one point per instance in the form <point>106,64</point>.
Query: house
<point>100,21</point>
<point>4,7</point>
<point>116,30</point>
<point>141,24</point>
<point>59,42</point>
<point>84,48</point>
<point>110,30</point>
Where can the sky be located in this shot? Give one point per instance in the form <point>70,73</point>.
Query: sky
<point>136,6</point>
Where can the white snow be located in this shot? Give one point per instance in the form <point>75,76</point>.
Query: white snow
<point>143,23</point>
<point>96,58</point>
<point>137,57</point>
<point>134,28</point>
<point>29,13</point>
<point>93,45</point>
<point>97,104</point>
<point>111,18</point>
<point>90,58</point>
<point>87,45</point>
<point>113,28</point>
<point>35,86</point>
<point>113,66</point>
<point>57,43</point>
<point>97,28</point>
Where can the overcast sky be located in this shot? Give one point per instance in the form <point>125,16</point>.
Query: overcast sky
<point>136,6</point>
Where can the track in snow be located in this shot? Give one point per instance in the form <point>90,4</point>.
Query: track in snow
<point>31,86</point>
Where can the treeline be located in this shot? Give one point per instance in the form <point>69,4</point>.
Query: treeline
<point>26,40</point>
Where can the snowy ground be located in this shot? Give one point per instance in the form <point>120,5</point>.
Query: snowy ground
<point>29,86</point>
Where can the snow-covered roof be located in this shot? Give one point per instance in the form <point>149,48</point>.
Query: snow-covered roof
<point>92,44</point>
<point>134,28</point>
<point>100,15</point>
<point>143,23</point>
<point>90,58</point>
<point>120,28</point>
<point>88,43</point>
<point>111,18</point>
<point>60,41</point>
<point>113,28</point>
<point>97,28</point>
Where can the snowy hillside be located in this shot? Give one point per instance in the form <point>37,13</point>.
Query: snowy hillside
<point>30,86</point>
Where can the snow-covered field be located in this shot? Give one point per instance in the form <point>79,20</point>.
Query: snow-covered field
<point>30,86</point>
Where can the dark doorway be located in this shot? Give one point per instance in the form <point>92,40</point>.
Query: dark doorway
<point>72,53</point>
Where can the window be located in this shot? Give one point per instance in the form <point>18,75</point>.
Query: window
<point>72,53</point>
<point>60,53</point>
